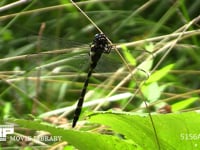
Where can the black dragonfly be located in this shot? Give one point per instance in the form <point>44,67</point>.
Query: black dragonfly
<point>99,46</point>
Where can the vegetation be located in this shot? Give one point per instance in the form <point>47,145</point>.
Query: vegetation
<point>146,99</point>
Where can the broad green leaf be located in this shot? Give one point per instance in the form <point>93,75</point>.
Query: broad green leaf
<point>80,139</point>
<point>184,103</point>
<point>174,131</point>
<point>152,91</point>
<point>159,74</point>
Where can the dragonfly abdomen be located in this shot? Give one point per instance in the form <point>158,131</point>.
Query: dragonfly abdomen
<point>81,98</point>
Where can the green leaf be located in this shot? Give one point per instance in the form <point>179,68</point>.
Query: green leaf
<point>80,139</point>
<point>152,91</point>
<point>149,47</point>
<point>128,55</point>
<point>184,103</point>
<point>159,74</point>
<point>148,63</point>
<point>7,109</point>
<point>174,131</point>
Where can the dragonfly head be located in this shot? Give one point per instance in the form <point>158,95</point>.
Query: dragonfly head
<point>100,41</point>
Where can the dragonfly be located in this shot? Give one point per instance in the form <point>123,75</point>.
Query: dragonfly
<point>73,57</point>
<point>99,46</point>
